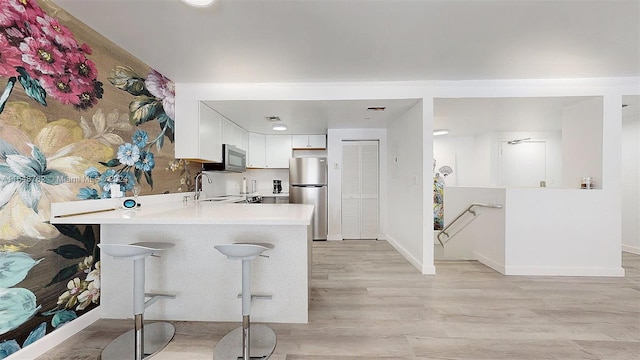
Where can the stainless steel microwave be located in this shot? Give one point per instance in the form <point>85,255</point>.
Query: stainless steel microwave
<point>233,160</point>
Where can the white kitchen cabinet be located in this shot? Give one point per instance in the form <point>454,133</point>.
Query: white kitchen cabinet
<point>309,141</point>
<point>277,151</point>
<point>359,190</point>
<point>245,140</point>
<point>256,155</point>
<point>269,151</point>
<point>207,136</point>
<point>232,134</point>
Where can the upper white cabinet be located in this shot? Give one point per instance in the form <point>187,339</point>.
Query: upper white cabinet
<point>199,138</point>
<point>256,155</point>
<point>309,141</point>
<point>269,151</point>
<point>233,134</point>
<point>277,151</point>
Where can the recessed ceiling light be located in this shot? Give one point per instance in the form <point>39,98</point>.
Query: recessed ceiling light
<point>440,132</point>
<point>279,126</point>
<point>199,3</point>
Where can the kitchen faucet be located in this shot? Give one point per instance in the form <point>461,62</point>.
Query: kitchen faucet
<point>198,180</point>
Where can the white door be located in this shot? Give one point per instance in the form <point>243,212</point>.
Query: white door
<point>359,190</point>
<point>523,164</point>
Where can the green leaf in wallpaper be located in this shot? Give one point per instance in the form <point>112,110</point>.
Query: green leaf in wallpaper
<point>167,125</point>
<point>143,109</point>
<point>6,92</point>
<point>70,251</point>
<point>31,86</point>
<point>111,163</point>
<point>14,267</point>
<point>71,231</point>
<point>138,174</point>
<point>17,305</point>
<point>124,78</point>
<point>147,176</point>
<point>63,317</point>
<point>37,334</point>
<point>89,240</point>
<point>64,274</point>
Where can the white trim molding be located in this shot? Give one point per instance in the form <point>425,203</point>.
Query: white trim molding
<point>54,338</point>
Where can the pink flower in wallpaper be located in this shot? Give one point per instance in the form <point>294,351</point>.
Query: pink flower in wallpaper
<point>10,57</point>
<point>162,88</point>
<point>44,57</point>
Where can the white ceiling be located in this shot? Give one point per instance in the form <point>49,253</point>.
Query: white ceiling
<point>312,117</point>
<point>284,41</point>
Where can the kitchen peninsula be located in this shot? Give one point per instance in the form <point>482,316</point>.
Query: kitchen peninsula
<point>206,283</point>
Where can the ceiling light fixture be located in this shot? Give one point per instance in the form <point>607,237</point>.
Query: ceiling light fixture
<point>199,3</point>
<point>277,124</point>
<point>440,132</point>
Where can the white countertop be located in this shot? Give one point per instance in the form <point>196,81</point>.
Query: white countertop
<point>171,209</point>
<point>283,194</point>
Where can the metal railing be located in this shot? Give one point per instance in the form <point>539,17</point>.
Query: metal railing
<point>467,210</point>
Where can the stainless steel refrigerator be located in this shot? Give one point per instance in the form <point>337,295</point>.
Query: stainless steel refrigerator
<point>308,185</point>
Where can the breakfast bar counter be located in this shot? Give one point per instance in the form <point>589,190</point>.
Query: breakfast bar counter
<point>205,282</point>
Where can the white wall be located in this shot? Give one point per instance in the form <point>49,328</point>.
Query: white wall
<point>406,186</point>
<point>462,150</point>
<point>631,178</point>
<point>478,158</point>
<point>561,232</point>
<point>582,143</point>
<point>334,159</point>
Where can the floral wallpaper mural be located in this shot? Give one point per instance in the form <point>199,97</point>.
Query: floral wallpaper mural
<point>79,118</point>
<point>438,194</point>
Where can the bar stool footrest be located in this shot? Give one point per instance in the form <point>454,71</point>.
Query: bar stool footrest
<point>258,296</point>
<point>155,297</point>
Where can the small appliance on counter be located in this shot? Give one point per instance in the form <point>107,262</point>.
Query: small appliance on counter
<point>277,186</point>
<point>254,199</point>
<point>587,183</point>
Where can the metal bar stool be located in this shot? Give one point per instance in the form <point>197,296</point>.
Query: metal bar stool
<point>249,341</point>
<point>142,341</point>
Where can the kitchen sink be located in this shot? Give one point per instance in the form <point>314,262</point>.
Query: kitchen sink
<point>213,199</point>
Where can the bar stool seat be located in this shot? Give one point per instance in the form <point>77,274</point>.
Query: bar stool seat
<point>144,340</point>
<point>243,251</point>
<point>248,341</point>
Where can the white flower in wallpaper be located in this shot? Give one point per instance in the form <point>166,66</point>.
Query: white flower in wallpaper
<point>43,162</point>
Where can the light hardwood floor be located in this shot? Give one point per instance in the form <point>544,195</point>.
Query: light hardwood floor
<point>368,302</point>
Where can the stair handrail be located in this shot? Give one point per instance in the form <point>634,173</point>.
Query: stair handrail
<point>467,210</point>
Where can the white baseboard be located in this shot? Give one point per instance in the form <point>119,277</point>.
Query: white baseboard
<point>334,237</point>
<point>631,249</point>
<point>428,270</point>
<point>57,336</point>
<point>410,258</point>
<point>564,271</point>
<point>490,263</point>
